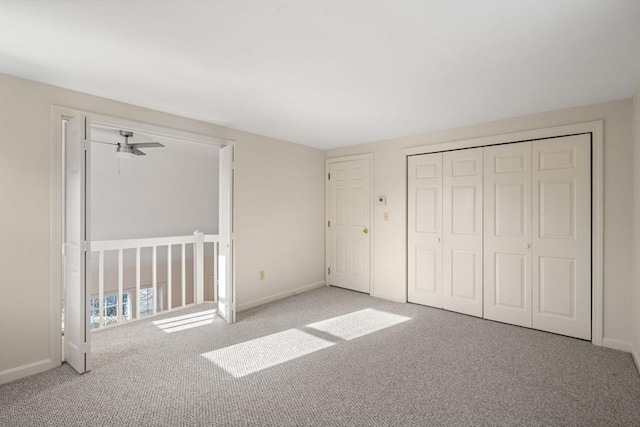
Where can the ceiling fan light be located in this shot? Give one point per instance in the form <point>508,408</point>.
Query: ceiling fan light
<point>124,153</point>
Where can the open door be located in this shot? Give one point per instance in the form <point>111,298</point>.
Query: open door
<point>76,251</point>
<point>226,288</point>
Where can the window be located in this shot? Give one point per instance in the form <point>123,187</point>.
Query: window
<point>110,306</point>
<point>110,309</point>
<point>146,301</point>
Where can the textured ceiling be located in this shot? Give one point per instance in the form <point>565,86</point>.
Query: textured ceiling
<point>330,74</point>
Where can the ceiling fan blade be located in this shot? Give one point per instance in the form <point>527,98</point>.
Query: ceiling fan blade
<point>138,152</point>
<point>146,144</point>
<point>104,142</point>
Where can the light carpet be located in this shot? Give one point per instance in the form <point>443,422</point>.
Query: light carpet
<point>331,357</point>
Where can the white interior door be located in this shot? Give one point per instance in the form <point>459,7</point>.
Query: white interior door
<point>348,227</point>
<point>562,235</point>
<point>226,282</point>
<point>425,229</point>
<point>507,233</point>
<point>76,241</point>
<point>462,231</point>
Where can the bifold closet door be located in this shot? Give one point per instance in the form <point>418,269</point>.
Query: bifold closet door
<point>462,231</point>
<point>425,229</point>
<point>507,233</point>
<point>562,235</point>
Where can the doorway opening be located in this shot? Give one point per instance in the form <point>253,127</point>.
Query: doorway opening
<point>145,209</point>
<point>156,235</point>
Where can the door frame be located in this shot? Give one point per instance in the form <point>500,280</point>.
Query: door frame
<point>57,205</point>
<point>328,162</point>
<point>595,128</point>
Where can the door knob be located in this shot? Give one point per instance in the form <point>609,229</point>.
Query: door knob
<point>365,230</point>
<point>527,246</point>
<point>439,240</point>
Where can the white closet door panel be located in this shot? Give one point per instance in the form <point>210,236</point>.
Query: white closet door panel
<point>77,334</point>
<point>562,235</point>
<point>462,231</point>
<point>425,229</point>
<point>507,233</point>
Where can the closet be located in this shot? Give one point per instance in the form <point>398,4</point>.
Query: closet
<point>504,232</point>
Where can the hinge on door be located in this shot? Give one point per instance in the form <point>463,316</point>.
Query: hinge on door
<point>328,270</point>
<point>84,246</point>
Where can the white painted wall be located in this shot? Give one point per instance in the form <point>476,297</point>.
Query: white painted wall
<point>279,203</point>
<point>389,279</point>
<point>172,191</point>
<point>279,206</point>
<point>636,226</point>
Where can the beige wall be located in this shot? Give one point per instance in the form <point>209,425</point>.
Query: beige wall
<point>279,211</point>
<point>279,204</point>
<point>389,279</point>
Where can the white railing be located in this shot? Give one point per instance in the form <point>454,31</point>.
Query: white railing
<point>197,239</point>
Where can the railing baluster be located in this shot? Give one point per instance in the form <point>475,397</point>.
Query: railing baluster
<point>154,275</point>
<point>120,306</point>
<point>169,274</point>
<point>184,276</point>
<point>198,239</point>
<point>138,282</point>
<point>100,289</point>
<point>198,267</point>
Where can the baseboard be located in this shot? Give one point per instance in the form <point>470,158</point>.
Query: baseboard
<point>389,297</point>
<point>617,345</point>
<point>636,358</point>
<point>18,372</point>
<point>281,295</point>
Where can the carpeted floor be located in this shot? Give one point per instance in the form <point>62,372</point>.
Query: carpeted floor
<point>332,357</point>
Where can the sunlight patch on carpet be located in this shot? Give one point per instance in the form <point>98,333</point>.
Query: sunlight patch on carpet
<point>358,323</point>
<point>262,353</point>
<point>187,321</point>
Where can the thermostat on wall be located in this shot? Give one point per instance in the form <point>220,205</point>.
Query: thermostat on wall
<point>382,200</point>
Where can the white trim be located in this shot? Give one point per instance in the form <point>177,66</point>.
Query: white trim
<point>153,130</point>
<point>56,228</point>
<point>595,128</point>
<point>636,359</point>
<point>528,135</point>
<point>22,371</point>
<point>327,163</point>
<point>348,158</point>
<point>617,345</point>
<point>56,203</point>
<point>402,299</point>
<point>281,295</point>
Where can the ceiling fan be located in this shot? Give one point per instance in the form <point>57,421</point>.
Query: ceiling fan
<point>128,150</point>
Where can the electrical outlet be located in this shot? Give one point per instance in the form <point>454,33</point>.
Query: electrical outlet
<point>385,216</point>
<point>261,274</point>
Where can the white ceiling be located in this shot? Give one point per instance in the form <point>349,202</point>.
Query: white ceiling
<point>330,74</point>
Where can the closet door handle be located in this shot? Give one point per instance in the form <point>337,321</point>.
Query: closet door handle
<point>439,240</point>
<point>527,245</point>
